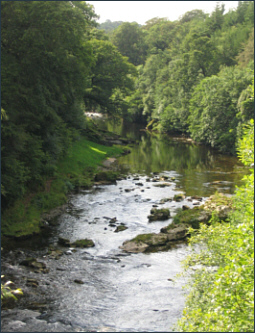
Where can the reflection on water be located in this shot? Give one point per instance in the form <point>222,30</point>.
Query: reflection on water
<point>201,169</point>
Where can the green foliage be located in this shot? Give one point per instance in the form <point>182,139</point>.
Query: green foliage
<point>221,297</point>
<point>54,65</point>
<point>129,39</point>
<point>76,169</point>
<point>213,108</point>
<point>108,26</point>
<point>190,81</point>
<point>7,292</point>
<point>45,60</point>
<point>111,78</point>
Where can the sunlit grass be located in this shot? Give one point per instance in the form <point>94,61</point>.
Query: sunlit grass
<point>76,169</point>
<point>97,150</point>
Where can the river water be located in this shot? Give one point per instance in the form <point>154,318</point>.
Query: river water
<point>118,292</point>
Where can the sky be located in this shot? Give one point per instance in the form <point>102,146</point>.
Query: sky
<point>142,11</point>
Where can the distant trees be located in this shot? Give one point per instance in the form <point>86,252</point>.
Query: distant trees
<point>129,39</point>
<point>108,26</point>
<point>192,69</point>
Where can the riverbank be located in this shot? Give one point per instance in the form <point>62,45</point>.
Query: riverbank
<point>75,171</point>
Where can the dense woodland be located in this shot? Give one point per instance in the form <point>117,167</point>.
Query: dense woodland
<point>192,76</point>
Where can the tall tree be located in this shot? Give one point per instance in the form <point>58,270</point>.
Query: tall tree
<point>110,78</point>
<point>129,39</point>
<point>45,62</point>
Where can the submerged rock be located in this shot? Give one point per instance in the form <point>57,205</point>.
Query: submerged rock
<point>163,185</point>
<point>78,281</point>
<point>37,266</point>
<point>83,243</point>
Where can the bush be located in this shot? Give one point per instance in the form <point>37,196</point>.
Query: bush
<point>221,293</point>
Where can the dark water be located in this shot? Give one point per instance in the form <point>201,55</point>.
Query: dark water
<point>120,292</point>
<point>201,170</point>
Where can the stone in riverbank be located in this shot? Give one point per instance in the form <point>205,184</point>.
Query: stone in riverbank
<point>106,177</point>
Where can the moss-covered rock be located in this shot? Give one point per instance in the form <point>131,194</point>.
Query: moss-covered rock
<point>179,197</point>
<point>120,228</point>
<point>159,214</point>
<point>191,217</point>
<point>177,231</point>
<point>83,243</point>
<point>145,243</point>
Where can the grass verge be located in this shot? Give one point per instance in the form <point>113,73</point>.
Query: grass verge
<point>77,169</point>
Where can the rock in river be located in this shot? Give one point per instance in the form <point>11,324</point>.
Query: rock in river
<point>159,214</point>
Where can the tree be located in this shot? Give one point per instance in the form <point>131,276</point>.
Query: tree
<point>129,39</point>
<point>110,78</point>
<point>159,34</point>
<point>108,26</point>
<point>213,108</point>
<point>45,63</point>
<point>195,14</point>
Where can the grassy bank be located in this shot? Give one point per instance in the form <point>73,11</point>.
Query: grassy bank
<point>77,169</point>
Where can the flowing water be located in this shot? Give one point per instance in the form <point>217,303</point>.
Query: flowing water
<point>117,291</point>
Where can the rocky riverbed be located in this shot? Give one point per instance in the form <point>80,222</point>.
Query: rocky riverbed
<point>105,287</point>
<point>69,288</point>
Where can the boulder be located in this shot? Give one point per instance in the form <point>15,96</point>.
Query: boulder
<point>177,233</point>
<point>134,247</point>
<point>64,242</point>
<point>145,243</point>
<point>120,228</point>
<point>159,214</point>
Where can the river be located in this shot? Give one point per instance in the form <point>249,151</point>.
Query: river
<point>116,291</point>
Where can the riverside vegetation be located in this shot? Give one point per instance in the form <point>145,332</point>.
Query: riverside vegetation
<point>192,77</point>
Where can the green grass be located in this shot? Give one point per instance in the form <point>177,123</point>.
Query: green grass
<point>144,238</point>
<point>77,169</point>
